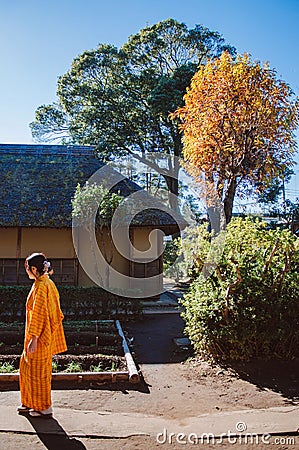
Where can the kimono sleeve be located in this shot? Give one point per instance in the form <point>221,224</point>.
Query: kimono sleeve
<point>39,311</point>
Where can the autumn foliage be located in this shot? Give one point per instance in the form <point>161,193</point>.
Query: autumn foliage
<point>238,125</point>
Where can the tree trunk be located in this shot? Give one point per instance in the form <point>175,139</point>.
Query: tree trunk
<point>173,191</point>
<point>214,219</point>
<point>107,254</point>
<point>229,200</point>
<point>172,181</point>
<point>96,266</point>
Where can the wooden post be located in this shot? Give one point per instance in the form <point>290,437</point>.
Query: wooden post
<point>133,372</point>
<point>19,243</point>
<point>18,252</point>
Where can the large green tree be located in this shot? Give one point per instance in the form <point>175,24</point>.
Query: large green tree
<point>119,99</point>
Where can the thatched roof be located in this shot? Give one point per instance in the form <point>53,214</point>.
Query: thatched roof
<point>38,182</point>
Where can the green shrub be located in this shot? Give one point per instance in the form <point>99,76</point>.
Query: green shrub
<point>170,253</point>
<point>249,306</point>
<point>76,303</point>
<point>12,303</point>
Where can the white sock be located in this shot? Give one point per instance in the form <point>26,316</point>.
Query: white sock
<point>47,411</point>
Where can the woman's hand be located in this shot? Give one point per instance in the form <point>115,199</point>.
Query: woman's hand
<point>32,346</point>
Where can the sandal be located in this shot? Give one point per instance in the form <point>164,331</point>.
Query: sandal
<point>23,409</point>
<point>39,414</point>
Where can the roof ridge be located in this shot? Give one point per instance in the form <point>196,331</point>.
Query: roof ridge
<point>47,149</point>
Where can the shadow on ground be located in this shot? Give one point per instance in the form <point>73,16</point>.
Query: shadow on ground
<point>53,436</point>
<point>153,339</point>
<point>277,375</point>
<point>153,344</point>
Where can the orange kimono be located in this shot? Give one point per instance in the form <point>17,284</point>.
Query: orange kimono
<point>44,320</point>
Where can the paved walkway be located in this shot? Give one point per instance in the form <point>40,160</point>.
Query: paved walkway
<point>78,423</point>
<point>167,303</point>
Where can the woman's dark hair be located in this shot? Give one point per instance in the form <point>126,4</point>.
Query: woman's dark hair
<point>38,260</point>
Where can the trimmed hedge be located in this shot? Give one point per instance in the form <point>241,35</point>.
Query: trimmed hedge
<point>86,303</point>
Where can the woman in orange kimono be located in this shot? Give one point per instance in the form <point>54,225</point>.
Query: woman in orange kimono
<point>44,337</point>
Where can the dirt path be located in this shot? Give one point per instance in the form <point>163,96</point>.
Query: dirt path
<point>176,388</point>
<point>173,388</point>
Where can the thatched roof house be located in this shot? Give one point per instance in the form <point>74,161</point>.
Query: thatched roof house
<point>37,184</point>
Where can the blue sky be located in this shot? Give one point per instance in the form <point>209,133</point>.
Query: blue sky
<point>39,40</point>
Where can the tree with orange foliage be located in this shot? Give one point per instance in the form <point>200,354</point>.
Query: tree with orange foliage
<point>238,125</point>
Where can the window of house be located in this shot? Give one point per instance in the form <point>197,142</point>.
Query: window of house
<point>12,272</point>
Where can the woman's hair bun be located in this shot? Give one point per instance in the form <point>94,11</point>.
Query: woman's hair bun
<point>39,261</point>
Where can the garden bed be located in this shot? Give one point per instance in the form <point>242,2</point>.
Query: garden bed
<point>97,350</point>
<point>78,342</point>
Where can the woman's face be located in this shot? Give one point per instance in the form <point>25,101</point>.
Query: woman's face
<point>32,272</point>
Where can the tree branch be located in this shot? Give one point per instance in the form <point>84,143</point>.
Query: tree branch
<point>281,275</point>
<point>268,262</point>
<point>231,287</point>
